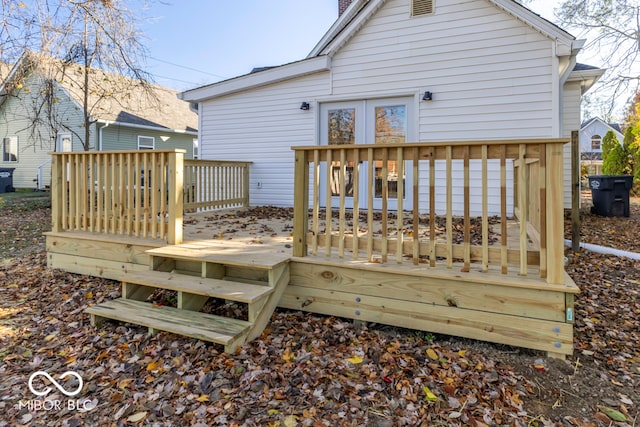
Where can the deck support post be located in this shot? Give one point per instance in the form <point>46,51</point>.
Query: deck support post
<point>176,190</point>
<point>56,193</point>
<point>555,214</point>
<point>301,204</point>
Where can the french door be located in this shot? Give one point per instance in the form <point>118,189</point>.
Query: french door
<point>378,121</point>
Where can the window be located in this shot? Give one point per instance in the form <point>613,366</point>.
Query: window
<point>596,141</point>
<point>196,153</point>
<point>146,143</point>
<point>421,7</point>
<point>10,149</point>
<point>65,143</point>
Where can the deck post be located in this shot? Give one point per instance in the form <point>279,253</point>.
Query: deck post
<point>301,203</point>
<point>575,190</point>
<point>56,193</point>
<point>245,183</point>
<point>176,190</point>
<point>555,214</point>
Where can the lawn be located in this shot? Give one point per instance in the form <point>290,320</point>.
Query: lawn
<point>309,370</point>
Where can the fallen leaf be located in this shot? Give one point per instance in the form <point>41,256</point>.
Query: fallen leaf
<point>356,360</point>
<point>429,396</point>
<point>139,416</point>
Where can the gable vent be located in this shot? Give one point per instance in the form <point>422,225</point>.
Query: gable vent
<point>421,7</point>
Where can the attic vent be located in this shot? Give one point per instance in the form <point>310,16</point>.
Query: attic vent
<point>421,7</point>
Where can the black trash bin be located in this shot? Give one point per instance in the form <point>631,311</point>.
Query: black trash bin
<point>610,194</point>
<point>6,180</point>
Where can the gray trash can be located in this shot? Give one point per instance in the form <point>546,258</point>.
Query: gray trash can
<point>6,180</point>
<point>610,194</point>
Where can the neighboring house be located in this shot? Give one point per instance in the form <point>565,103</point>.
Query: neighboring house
<point>125,119</point>
<point>592,133</point>
<point>437,70</point>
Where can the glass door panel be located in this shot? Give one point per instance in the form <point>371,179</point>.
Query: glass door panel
<point>341,130</point>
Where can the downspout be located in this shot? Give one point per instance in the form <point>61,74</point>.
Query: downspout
<point>576,46</point>
<point>100,135</point>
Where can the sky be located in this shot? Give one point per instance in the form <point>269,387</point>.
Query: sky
<point>192,43</point>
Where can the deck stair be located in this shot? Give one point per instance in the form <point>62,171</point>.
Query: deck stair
<point>197,272</point>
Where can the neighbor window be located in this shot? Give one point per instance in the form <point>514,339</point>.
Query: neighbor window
<point>196,153</point>
<point>10,149</point>
<point>65,143</point>
<point>596,141</point>
<point>146,143</point>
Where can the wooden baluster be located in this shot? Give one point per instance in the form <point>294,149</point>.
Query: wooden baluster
<point>122,193</point>
<point>370,190</point>
<point>145,197</point>
<point>432,208</point>
<point>64,173</point>
<point>113,223</point>
<point>107,193</point>
<point>138,191</point>
<point>343,189</point>
<point>301,203</point>
<point>100,190</point>
<point>154,195</point>
<point>77,185</point>
<point>415,209</point>
<point>131,182</point>
<point>400,201</point>
<point>485,211</point>
<point>523,204</point>
<point>328,218</point>
<point>449,230</point>
<point>316,202</point>
<point>164,182</point>
<point>84,182</point>
<point>385,204</point>
<point>356,203</point>
<point>467,214</point>
<point>92,192</point>
<point>543,210</point>
<point>503,210</point>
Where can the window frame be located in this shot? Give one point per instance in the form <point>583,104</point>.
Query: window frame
<point>142,146</point>
<point>598,139</point>
<point>13,149</point>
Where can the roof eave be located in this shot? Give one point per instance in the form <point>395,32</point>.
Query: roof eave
<point>587,77</point>
<point>338,26</point>
<point>250,81</point>
<point>567,43</point>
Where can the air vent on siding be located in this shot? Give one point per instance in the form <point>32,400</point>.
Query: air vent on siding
<point>421,7</point>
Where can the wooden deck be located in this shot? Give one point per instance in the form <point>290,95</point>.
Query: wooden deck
<point>523,311</point>
<point>389,254</point>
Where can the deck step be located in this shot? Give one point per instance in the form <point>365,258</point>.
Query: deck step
<point>206,327</point>
<point>215,288</point>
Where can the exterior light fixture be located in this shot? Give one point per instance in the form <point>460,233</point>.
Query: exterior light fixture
<point>428,96</point>
<point>305,106</point>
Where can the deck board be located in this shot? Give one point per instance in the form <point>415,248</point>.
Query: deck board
<point>207,327</point>
<point>215,288</point>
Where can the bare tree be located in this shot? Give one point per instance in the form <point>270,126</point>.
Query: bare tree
<point>612,28</point>
<point>93,46</point>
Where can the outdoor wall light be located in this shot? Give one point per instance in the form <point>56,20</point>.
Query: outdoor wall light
<point>305,106</point>
<point>428,96</point>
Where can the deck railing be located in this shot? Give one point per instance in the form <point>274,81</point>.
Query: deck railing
<point>139,193</point>
<point>328,180</point>
<point>130,193</point>
<point>215,184</point>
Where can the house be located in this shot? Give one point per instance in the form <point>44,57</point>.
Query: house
<point>123,117</point>
<point>591,134</point>
<point>403,71</point>
<point>421,144</point>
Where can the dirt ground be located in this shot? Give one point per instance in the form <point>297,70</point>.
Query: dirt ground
<point>306,369</point>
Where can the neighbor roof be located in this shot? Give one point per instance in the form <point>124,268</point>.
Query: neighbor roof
<point>122,99</point>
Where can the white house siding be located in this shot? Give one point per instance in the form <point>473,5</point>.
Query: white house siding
<point>570,122</point>
<point>16,117</point>
<point>489,73</point>
<point>260,126</point>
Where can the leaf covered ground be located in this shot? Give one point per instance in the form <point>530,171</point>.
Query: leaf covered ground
<point>312,370</point>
